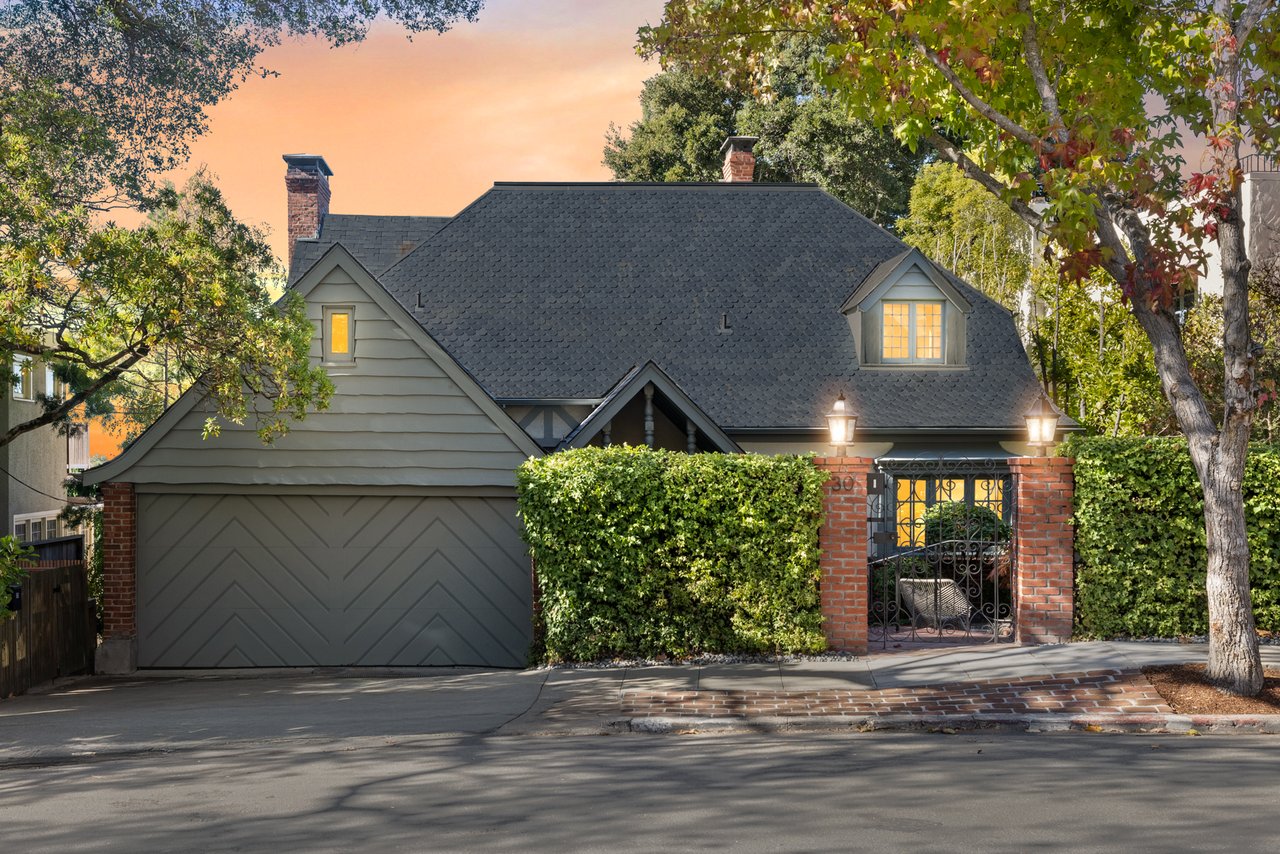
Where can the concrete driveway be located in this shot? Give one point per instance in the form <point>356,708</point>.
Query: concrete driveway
<point>156,713</point>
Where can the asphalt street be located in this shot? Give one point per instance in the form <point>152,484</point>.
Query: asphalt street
<point>917,792</point>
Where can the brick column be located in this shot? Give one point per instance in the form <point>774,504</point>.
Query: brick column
<point>843,540</point>
<point>1045,572</point>
<point>119,650</point>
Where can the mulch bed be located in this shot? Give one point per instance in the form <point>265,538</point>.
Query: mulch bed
<point>1184,688</point>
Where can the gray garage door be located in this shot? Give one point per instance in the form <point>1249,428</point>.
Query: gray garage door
<point>270,581</point>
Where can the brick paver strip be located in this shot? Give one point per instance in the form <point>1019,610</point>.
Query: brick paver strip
<point>1095,692</point>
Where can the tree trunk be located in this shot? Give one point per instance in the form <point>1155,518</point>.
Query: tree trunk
<point>1234,662</point>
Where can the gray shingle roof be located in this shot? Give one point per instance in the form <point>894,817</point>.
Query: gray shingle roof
<point>377,242</point>
<point>556,290</point>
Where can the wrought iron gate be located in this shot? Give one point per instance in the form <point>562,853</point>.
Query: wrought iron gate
<point>943,556</point>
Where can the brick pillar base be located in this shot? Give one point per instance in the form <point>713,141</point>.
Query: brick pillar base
<point>1045,572</point>
<point>843,540</point>
<point>118,653</point>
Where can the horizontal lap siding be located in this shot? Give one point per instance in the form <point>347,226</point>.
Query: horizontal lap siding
<point>396,418</point>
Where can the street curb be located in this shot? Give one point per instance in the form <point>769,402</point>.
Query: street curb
<point>1044,722</point>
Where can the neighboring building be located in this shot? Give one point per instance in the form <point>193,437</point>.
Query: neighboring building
<point>1260,194</point>
<point>694,317</point>
<point>36,464</point>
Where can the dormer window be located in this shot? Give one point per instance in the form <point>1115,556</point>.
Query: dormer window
<point>339,335</point>
<point>906,313</point>
<point>913,332</point>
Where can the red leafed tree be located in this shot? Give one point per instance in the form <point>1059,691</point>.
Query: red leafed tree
<point>1093,108</point>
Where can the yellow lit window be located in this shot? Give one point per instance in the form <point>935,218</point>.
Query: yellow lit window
<point>897,330</point>
<point>339,334</point>
<point>950,490</point>
<point>928,328</point>
<point>912,332</point>
<point>989,493</point>
<point>912,495</point>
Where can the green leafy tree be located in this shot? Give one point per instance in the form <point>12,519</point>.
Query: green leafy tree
<point>1089,107</point>
<point>685,118</point>
<point>1097,364</point>
<point>97,97</point>
<point>147,71</point>
<point>97,301</point>
<point>1093,357</point>
<point>957,223</point>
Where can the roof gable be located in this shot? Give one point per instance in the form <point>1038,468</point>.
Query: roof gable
<point>162,451</point>
<point>888,273</point>
<point>634,383</point>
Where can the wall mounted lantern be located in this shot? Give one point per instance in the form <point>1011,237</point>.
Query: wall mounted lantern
<point>841,422</point>
<point>1042,424</point>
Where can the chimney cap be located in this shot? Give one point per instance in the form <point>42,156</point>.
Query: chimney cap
<point>308,163</point>
<point>739,143</point>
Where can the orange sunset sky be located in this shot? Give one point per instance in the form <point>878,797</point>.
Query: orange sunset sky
<point>424,127</point>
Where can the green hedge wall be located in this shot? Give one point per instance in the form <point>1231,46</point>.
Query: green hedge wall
<point>1140,537</point>
<point>652,553</point>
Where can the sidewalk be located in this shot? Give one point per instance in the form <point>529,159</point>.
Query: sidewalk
<point>1085,686</point>
<point>1094,686</point>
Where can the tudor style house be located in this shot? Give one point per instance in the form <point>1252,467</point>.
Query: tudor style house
<point>695,317</point>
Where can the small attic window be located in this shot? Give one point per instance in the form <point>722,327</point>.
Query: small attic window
<point>912,332</point>
<point>339,335</point>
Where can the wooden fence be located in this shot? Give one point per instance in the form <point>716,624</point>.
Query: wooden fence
<point>53,633</point>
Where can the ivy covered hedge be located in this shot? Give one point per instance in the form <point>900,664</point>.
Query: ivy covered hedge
<point>652,553</point>
<point>1140,537</point>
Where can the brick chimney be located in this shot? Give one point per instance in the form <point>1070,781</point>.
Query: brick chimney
<point>307,181</point>
<point>739,162</point>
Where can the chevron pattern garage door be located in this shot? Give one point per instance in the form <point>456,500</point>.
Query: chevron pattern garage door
<point>271,581</point>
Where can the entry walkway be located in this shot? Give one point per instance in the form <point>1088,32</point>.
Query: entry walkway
<point>1066,684</point>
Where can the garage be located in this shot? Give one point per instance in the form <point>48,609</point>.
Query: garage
<point>380,531</point>
<point>265,580</point>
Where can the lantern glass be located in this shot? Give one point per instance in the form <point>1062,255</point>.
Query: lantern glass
<point>840,422</point>
<point>1042,424</point>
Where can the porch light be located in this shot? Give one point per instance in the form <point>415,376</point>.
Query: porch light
<point>841,421</point>
<point>1042,424</point>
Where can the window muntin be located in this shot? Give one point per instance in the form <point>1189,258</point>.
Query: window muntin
<point>928,331</point>
<point>339,335</point>
<point>897,330</point>
<point>911,332</point>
